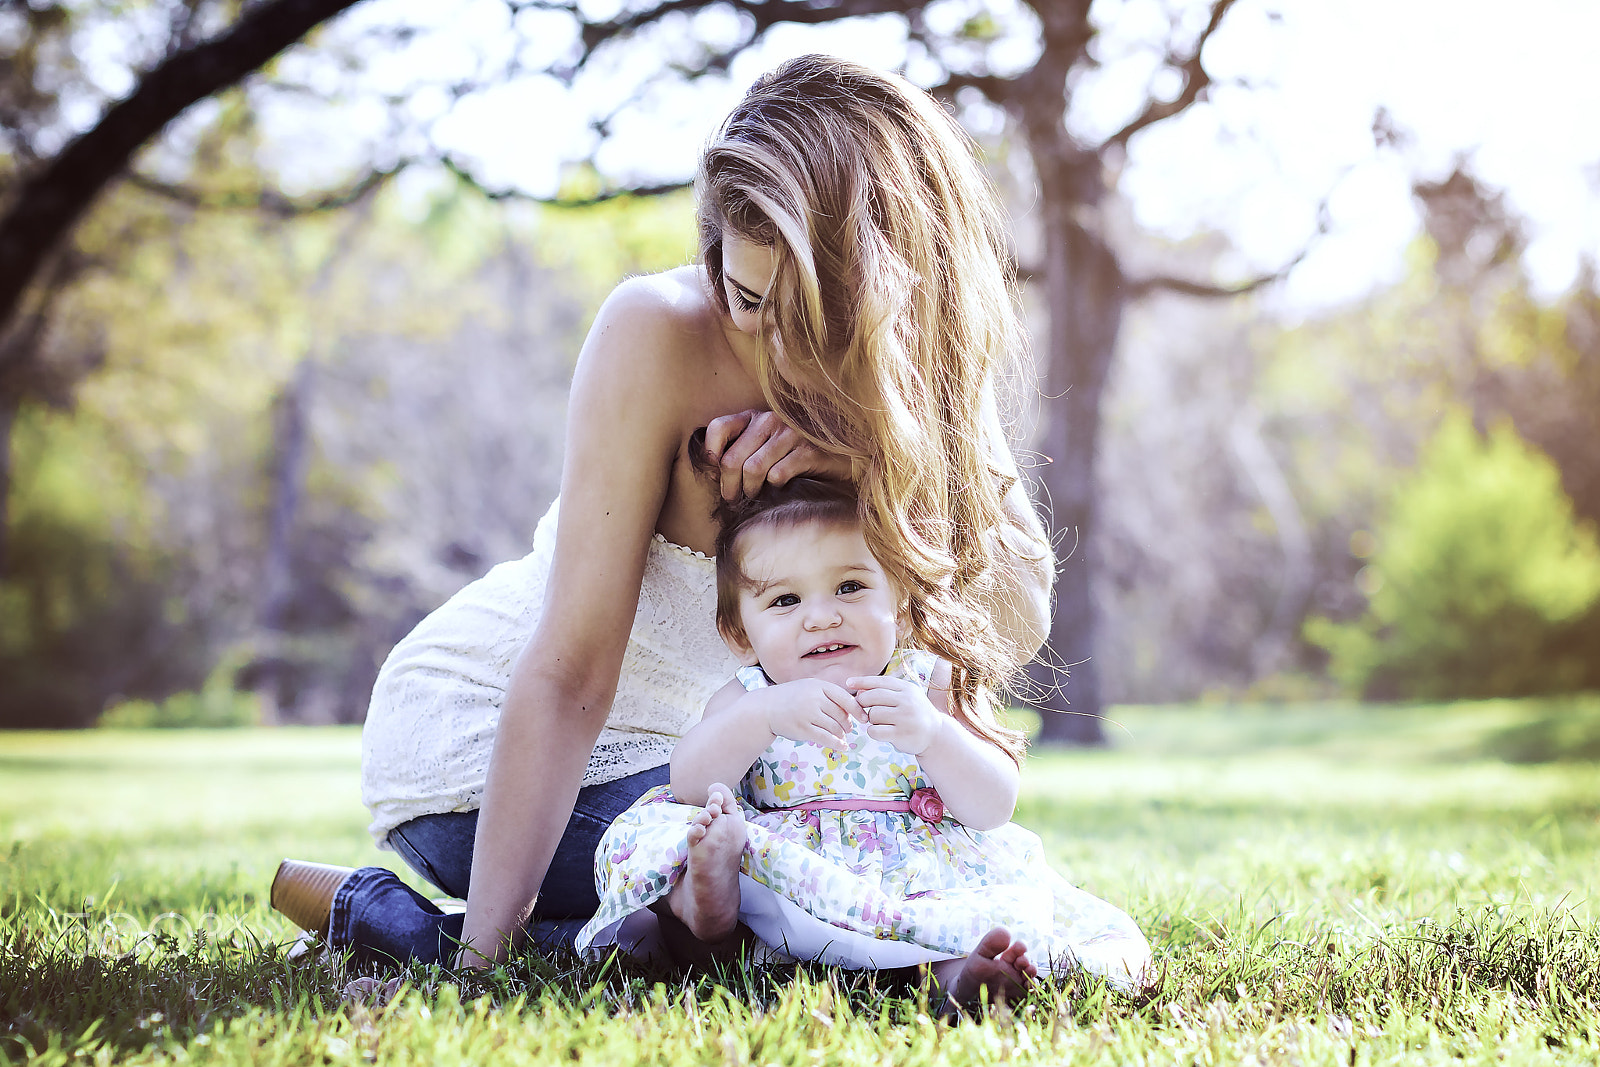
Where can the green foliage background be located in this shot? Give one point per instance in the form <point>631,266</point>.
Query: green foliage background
<point>1483,583</point>
<point>141,482</point>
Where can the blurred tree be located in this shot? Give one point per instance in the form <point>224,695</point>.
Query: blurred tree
<point>88,611</point>
<point>1083,280</point>
<point>53,169</point>
<point>1028,60</point>
<point>1207,551</point>
<point>1355,405</point>
<point>1479,577</point>
<point>1537,363</point>
<point>424,349</point>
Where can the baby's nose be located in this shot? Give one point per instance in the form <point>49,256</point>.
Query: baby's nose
<point>821,617</point>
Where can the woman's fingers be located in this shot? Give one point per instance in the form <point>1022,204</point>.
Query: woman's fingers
<point>757,469</point>
<point>808,459</point>
<point>729,444</point>
<point>739,475</point>
<point>724,429</point>
<point>753,448</point>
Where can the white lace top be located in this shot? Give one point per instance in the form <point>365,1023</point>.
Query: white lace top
<point>425,747</point>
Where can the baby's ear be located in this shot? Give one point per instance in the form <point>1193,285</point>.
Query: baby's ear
<point>740,647</point>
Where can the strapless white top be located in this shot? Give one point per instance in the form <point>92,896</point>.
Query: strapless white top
<point>430,729</point>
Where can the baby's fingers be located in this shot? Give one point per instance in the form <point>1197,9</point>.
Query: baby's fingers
<point>841,698</point>
<point>885,732</point>
<point>824,735</point>
<point>878,683</point>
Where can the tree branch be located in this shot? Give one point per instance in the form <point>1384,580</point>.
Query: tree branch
<point>1141,287</point>
<point>995,89</point>
<point>1188,287</point>
<point>50,201</point>
<point>268,201</point>
<point>765,14</point>
<point>1195,81</point>
<point>463,175</point>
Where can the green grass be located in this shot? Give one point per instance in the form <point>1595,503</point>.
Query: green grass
<point>1329,884</point>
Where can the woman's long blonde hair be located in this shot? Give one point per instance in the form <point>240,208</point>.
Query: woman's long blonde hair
<point>890,313</point>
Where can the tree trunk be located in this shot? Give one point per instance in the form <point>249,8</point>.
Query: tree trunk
<point>1083,291</point>
<point>290,458</point>
<point>8,420</point>
<point>50,201</point>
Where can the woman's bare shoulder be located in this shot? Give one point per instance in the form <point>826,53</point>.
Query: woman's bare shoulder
<point>664,306</point>
<point>654,349</point>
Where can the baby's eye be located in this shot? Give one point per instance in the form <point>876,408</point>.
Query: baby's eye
<point>787,600</point>
<point>846,588</point>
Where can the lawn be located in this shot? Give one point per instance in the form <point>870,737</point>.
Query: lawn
<point>1333,884</point>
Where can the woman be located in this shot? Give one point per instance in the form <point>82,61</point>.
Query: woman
<point>847,319</point>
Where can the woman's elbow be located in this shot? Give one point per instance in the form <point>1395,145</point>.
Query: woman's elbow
<point>1022,604</point>
<point>1024,616</point>
<point>1033,614</point>
<point>580,696</point>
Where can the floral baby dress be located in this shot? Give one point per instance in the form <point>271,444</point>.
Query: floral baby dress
<point>851,861</point>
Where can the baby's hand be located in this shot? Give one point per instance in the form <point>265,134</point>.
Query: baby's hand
<point>810,709</point>
<point>899,712</point>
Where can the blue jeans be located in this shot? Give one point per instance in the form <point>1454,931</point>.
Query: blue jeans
<point>385,920</point>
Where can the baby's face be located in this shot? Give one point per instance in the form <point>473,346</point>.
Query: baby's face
<point>817,604</point>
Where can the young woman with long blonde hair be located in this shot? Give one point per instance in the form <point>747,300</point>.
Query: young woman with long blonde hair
<point>849,318</point>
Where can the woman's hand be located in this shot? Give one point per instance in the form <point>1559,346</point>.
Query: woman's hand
<point>757,447</point>
<point>899,712</point>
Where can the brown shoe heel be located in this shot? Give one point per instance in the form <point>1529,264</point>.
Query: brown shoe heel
<point>304,892</point>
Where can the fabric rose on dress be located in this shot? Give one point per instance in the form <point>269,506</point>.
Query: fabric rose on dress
<point>926,804</point>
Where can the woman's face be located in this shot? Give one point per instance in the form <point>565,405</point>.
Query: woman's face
<point>747,270</point>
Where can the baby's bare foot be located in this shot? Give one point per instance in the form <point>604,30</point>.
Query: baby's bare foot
<point>370,991</point>
<point>707,899</point>
<point>998,964</point>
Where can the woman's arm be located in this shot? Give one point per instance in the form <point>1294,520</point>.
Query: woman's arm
<point>1021,606</point>
<point>623,426</point>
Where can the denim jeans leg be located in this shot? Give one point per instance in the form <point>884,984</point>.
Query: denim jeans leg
<point>568,899</point>
<point>439,847</point>
<point>382,918</point>
<point>386,921</point>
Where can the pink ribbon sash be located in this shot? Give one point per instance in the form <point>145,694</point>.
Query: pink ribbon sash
<point>847,805</point>
<point>924,803</point>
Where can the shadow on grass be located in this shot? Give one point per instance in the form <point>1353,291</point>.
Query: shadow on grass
<point>1570,734</point>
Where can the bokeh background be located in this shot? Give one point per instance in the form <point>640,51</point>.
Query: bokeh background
<point>1313,401</point>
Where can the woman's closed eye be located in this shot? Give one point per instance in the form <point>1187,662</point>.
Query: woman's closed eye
<point>744,302</point>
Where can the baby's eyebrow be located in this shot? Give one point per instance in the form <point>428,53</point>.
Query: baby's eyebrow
<point>758,588</point>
